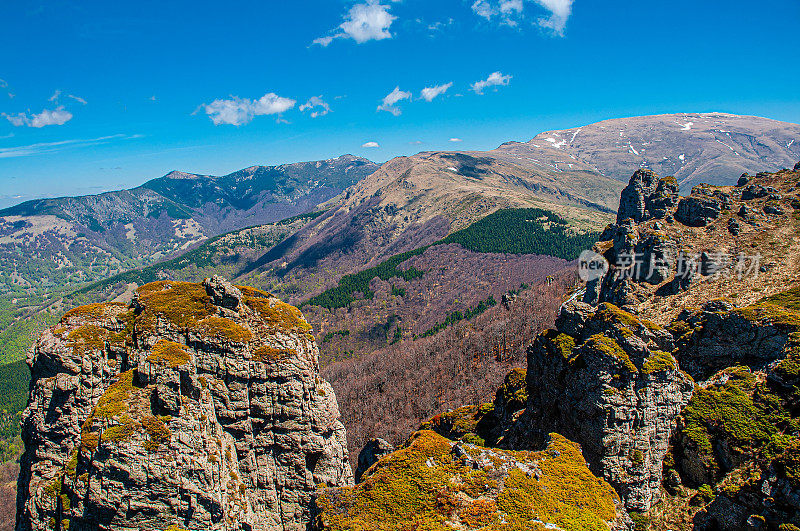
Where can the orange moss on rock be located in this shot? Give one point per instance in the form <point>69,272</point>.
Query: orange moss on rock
<point>169,354</point>
<point>94,311</point>
<point>223,328</point>
<point>277,314</point>
<point>182,304</point>
<point>426,485</point>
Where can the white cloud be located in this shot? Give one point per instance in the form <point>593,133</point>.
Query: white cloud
<point>560,10</point>
<point>57,116</point>
<point>371,145</point>
<point>314,102</point>
<point>390,101</point>
<point>456,140</point>
<point>52,147</point>
<point>77,98</point>
<point>429,93</point>
<point>512,11</point>
<point>496,79</point>
<point>239,111</point>
<point>369,21</point>
<point>54,97</point>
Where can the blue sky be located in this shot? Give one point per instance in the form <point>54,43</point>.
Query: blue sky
<point>104,95</point>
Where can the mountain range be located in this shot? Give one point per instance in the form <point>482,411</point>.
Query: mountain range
<point>653,398</point>
<point>365,213</point>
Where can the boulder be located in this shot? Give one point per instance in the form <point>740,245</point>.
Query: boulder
<point>698,211</point>
<point>371,454</point>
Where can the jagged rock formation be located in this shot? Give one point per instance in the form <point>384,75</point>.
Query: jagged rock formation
<point>607,380</point>
<point>196,406</point>
<point>647,197</point>
<point>435,483</point>
<point>732,459</point>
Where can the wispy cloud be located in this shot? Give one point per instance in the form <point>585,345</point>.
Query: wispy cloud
<point>43,148</point>
<point>4,87</point>
<point>371,145</point>
<point>390,101</point>
<point>429,93</point>
<point>496,79</point>
<point>511,12</point>
<point>456,140</point>
<point>369,21</point>
<point>57,116</point>
<point>239,111</point>
<point>316,102</point>
<point>77,98</point>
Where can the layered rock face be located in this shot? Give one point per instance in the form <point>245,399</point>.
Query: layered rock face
<point>198,406</point>
<point>607,380</point>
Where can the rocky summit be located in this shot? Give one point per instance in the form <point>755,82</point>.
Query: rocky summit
<point>197,406</point>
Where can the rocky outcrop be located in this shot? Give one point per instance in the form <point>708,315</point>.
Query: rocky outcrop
<point>607,380</point>
<point>435,483</point>
<point>721,335</point>
<point>698,211</point>
<point>371,454</point>
<point>647,197</point>
<point>198,406</point>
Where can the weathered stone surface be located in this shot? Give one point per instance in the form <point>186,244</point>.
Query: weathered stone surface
<point>608,382</point>
<point>718,337</point>
<point>222,292</point>
<point>754,191</point>
<point>371,454</point>
<point>198,406</point>
<point>647,197</point>
<point>698,211</point>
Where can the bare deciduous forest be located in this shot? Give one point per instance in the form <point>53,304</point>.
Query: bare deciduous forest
<point>389,392</point>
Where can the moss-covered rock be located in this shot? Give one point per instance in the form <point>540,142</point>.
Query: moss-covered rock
<point>433,483</point>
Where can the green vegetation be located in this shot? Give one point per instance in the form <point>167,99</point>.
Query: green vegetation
<point>789,299</point>
<point>18,330</point>
<point>459,316</point>
<point>513,393</point>
<point>330,335</point>
<point>398,292</point>
<point>523,231</point>
<point>342,295</point>
<point>472,424</point>
<point>743,413</point>
<point>197,261</point>
<point>278,314</point>
<point>608,347</point>
<point>14,381</point>
<point>169,353</point>
<point>659,361</point>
